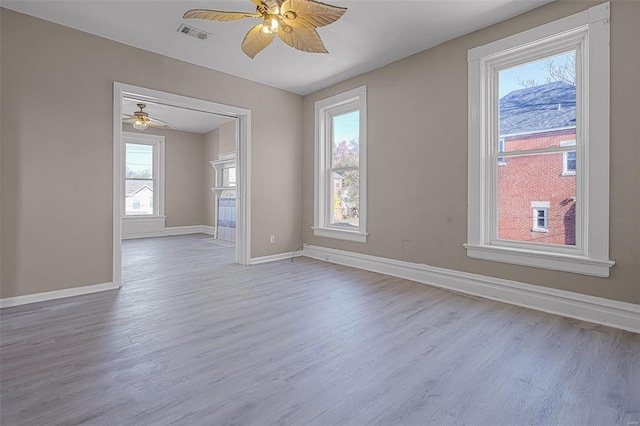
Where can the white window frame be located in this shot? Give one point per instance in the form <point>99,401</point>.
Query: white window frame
<point>540,206</point>
<point>565,159</point>
<point>501,148</point>
<point>352,100</point>
<point>588,33</point>
<point>158,143</point>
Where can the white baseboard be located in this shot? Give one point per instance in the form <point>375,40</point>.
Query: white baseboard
<point>625,316</point>
<point>209,230</point>
<point>8,302</point>
<point>172,231</point>
<point>143,235</point>
<point>183,230</point>
<point>274,257</point>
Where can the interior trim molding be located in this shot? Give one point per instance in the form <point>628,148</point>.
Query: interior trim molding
<point>622,315</point>
<point>8,302</point>
<point>274,257</point>
<point>209,230</point>
<point>184,230</point>
<point>172,231</point>
<point>242,118</point>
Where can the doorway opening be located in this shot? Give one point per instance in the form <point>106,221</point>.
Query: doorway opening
<point>238,124</point>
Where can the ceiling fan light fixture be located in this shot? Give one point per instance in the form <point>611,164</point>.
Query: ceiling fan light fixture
<point>270,24</point>
<point>140,120</point>
<point>140,125</point>
<point>294,21</point>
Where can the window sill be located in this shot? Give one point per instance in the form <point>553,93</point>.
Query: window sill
<point>568,174</point>
<point>537,259</point>
<point>540,230</point>
<point>340,234</point>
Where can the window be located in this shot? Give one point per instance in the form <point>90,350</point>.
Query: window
<point>501,160</point>
<point>568,159</point>
<point>143,168</point>
<point>340,173</point>
<point>540,216</point>
<point>229,176</point>
<point>539,109</point>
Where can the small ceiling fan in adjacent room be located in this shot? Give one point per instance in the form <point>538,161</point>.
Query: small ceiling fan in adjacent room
<point>294,21</point>
<point>141,120</point>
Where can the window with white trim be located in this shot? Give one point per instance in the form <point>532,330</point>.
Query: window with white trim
<point>540,216</point>
<point>501,160</point>
<point>521,130</point>
<point>143,166</point>
<point>340,209</point>
<point>568,159</point>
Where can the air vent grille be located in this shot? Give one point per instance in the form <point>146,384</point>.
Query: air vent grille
<point>193,32</point>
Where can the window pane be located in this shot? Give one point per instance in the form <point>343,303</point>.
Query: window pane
<point>571,161</point>
<point>530,179</point>
<point>229,176</point>
<point>139,161</point>
<point>345,209</point>
<point>538,103</point>
<point>345,150</point>
<point>138,196</point>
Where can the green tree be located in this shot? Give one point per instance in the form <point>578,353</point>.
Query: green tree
<point>144,174</point>
<point>346,154</point>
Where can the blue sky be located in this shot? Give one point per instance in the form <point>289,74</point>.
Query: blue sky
<point>531,71</point>
<point>139,157</point>
<point>346,126</point>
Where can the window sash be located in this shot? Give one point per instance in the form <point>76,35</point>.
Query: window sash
<point>540,219</point>
<point>156,171</point>
<point>326,110</point>
<point>591,28</point>
<point>513,58</point>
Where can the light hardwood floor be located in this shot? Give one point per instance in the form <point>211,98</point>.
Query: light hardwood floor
<point>192,338</point>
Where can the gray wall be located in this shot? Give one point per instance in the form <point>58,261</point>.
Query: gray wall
<point>184,176</point>
<point>417,141</point>
<point>57,74</point>
<point>417,157</point>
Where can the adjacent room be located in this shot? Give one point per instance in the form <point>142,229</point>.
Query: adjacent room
<point>291,212</point>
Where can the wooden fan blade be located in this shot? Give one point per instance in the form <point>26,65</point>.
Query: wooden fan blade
<point>158,126</point>
<point>305,39</point>
<point>156,122</point>
<point>309,13</point>
<point>126,118</point>
<point>255,41</point>
<point>217,15</point>
<point>258,2</point>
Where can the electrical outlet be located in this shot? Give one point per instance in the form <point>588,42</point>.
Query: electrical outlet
<point>272,239</point>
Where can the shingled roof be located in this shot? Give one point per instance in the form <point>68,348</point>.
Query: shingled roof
<point>537,109</point>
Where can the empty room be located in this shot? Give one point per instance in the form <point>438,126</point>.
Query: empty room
<point>294,212</point>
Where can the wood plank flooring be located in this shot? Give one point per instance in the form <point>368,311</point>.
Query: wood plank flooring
<point>193,339</point>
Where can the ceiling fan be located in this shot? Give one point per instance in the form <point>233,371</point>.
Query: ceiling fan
<point>295,22</point>
<point>141,120</point>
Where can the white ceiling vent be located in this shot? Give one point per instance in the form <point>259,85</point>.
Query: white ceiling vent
<point>193,32</point>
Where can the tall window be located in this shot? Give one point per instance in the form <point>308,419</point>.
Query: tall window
<point>536,110</point>
<point>143,159</point>
<point>340,181</point>
<point>539,129</point>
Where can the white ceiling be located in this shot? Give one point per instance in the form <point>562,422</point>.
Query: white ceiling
<point>185,120</point>
<point>371,34</point>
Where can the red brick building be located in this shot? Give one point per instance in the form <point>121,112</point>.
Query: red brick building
<point>537,192</point>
